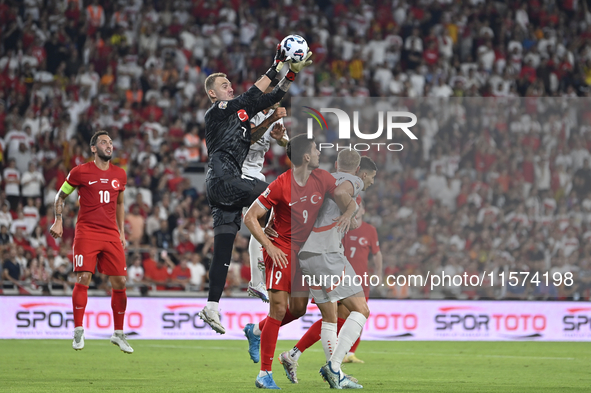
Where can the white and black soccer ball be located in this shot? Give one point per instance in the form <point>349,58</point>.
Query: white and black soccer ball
<point>295,47</point>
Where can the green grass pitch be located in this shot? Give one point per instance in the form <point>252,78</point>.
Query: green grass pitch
<point>224,366</point>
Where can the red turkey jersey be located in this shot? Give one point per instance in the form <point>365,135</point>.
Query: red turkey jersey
<point>296,207</point>
<point>359,243</point>
<point>98,191</point>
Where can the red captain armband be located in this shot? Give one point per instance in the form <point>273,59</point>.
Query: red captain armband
<point>290,76</point>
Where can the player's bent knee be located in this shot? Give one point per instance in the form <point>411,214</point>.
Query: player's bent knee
<point>83,278</point>
<point>118,282</point>
<point>277,311</point>
<point>298,306</point>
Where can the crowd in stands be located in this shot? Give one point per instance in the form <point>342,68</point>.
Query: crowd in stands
<point>487,186</point>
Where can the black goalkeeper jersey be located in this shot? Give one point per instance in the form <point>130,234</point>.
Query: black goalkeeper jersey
<point>227,130</point>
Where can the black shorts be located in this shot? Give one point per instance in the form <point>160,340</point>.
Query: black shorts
<point>227,196</point>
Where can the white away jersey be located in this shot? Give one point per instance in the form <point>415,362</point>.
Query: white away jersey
<point>253,164</point>
<point>325,236</point>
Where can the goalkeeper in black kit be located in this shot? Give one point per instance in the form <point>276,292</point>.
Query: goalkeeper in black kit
<point>228,137</point>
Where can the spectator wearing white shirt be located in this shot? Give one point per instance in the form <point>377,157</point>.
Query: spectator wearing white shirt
<point>12,180</point>
<point>197,272</point>
<point>413,45</point>
<point>21,224</point>
<point>135,272</point>
<point>32,182</point>
<point>5,216</point>
<point>436,181</point>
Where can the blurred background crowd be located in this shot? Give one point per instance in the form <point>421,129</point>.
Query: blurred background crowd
<point>495,182</point>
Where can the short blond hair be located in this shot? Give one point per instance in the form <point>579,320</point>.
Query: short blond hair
<point>348,160</point>
<point>210,81</point>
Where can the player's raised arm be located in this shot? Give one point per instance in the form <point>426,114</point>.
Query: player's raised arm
<point>120,216</point>
<point>251,220</point>
<point>278,133</point>
<point>282,87</point>
<point>257,132</point>
<point>57,229</point>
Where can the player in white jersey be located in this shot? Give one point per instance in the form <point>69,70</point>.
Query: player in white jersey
<point>322,258</point>
<point>270,123</point>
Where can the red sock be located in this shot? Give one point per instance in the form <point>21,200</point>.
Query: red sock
<point>340,322</point>
<point>118,304</point>
<point>79,300</point>
<point>269,343</point>
<point>286,319</point>
<point>310,337</point>
<point>354,347</point>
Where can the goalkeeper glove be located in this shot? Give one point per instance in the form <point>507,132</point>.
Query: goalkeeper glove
<point>294,68</point>
<point>278,61</point>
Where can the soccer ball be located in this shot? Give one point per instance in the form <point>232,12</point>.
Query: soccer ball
<point>295,47</point>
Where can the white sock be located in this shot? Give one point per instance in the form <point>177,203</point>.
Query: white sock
<point>119,331</point>
<point>263,373</point>
<point>295,353</point>
<point>79,328</point>
<point>256,330</point>
<point>255,251</point>
<point>350,332</point>
<point>328,336</point>
<point>213,306</point>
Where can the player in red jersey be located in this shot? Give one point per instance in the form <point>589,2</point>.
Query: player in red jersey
<point>99,239</point>
<point>359,243</point>
<point>296,197</point>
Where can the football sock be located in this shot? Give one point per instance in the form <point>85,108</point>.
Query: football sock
<point>349,333</point>
<point>287,318</point>
<point>269,343</point>
<point>328,336</point>
<point>213,306</point>
<point>263,373</point>
<point>118,305</point>
<point>79,300</point>
<point>340,323</point>
<point>355,345</point>
<point>256,330</point>
<point>255,251</point>
<point>311,336</point>
<point>222,255</point>
<point>295,353</point>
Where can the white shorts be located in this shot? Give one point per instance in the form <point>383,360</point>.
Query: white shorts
<point>330,276</point>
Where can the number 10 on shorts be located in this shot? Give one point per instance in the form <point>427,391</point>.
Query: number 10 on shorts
<point>78,260</point>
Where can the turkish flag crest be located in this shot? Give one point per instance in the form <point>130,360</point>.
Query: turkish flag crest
<point>242,115</point>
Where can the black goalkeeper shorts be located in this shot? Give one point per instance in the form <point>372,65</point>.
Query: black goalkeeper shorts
<point>227,196</point>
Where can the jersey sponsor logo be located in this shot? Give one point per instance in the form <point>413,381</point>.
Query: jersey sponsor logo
<point>105,181</point>
<point>115,183</point>
<point>242,115</point>
<point>92,182</point>
<point>267,192</point>
<point>223,105</point>
<point>293,203</point>
<point>312,199</point>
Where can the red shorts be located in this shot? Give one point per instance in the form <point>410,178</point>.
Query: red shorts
<point>109,256</point>
<point>278,278</point>
<point>287,279</point>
